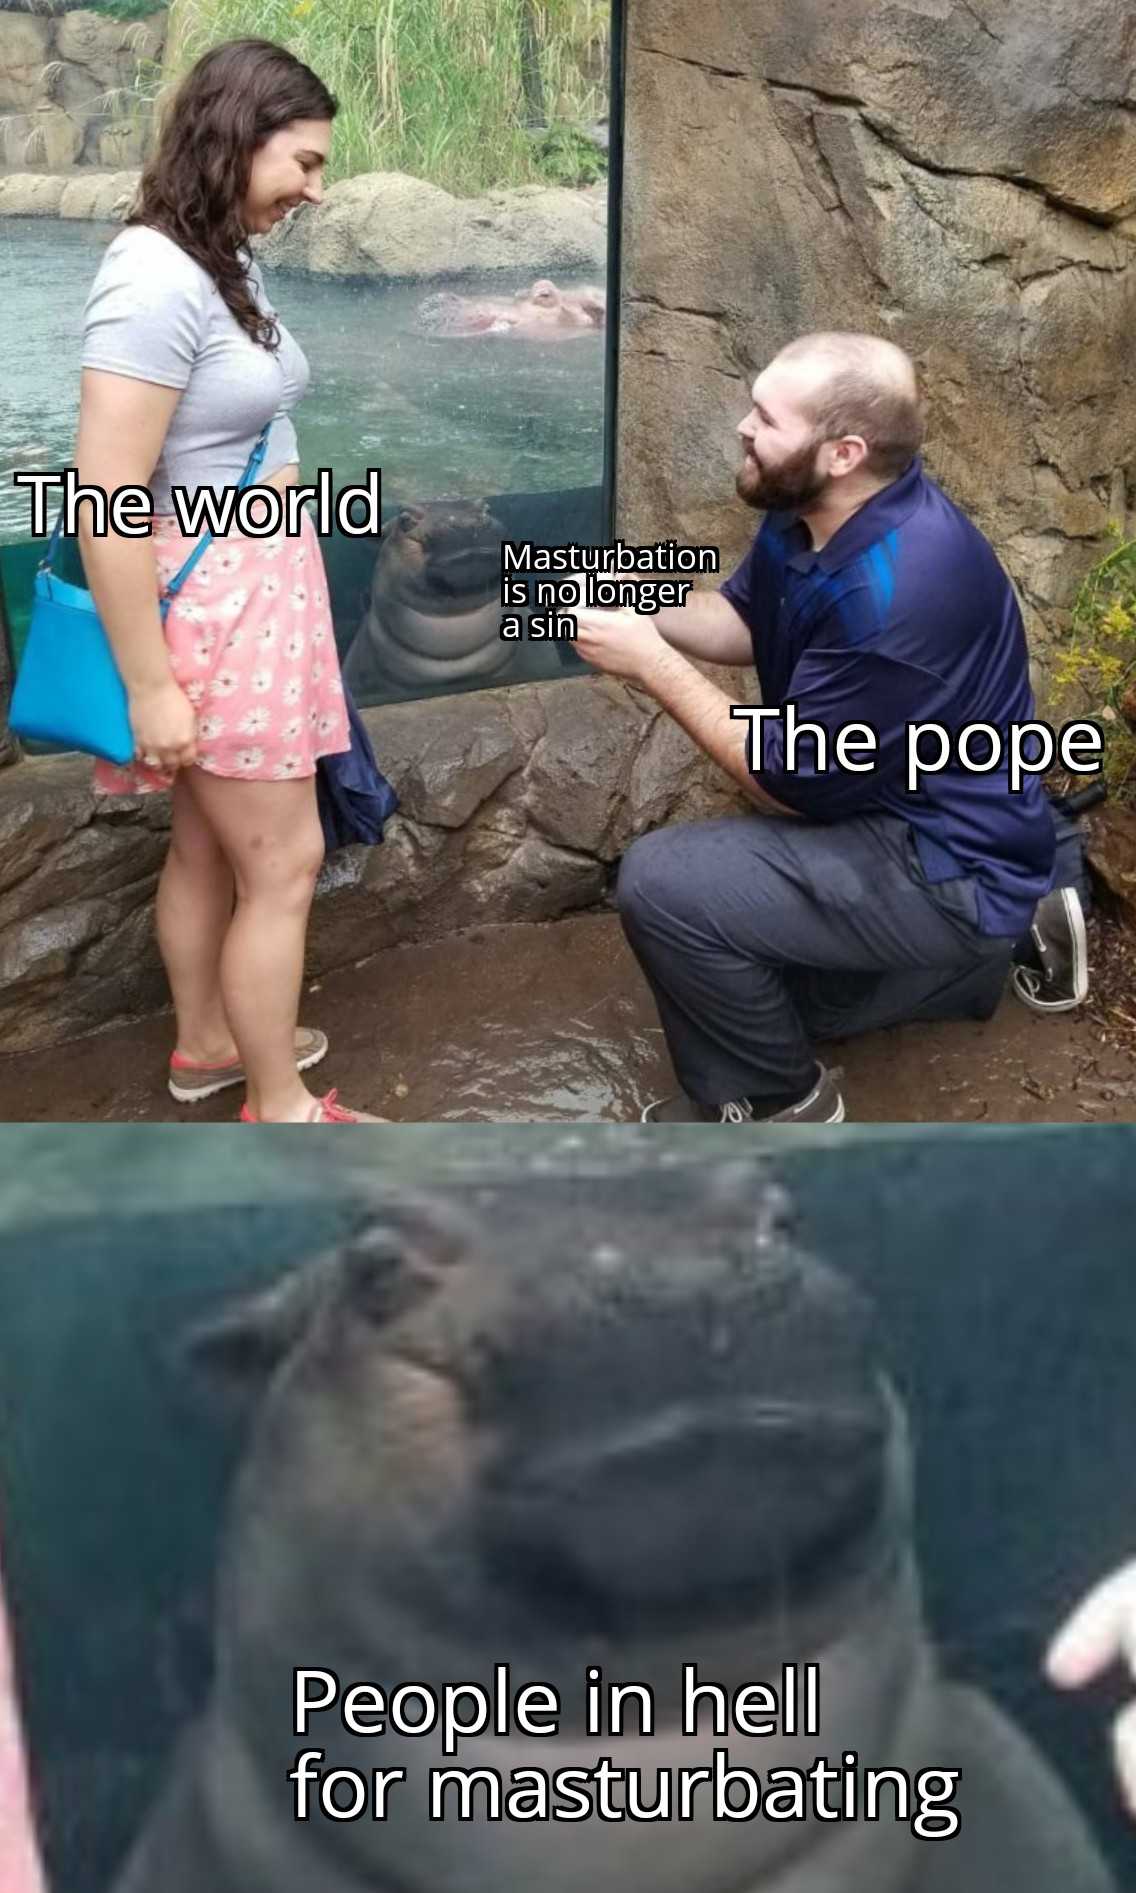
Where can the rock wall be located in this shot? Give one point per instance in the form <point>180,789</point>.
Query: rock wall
<point>957,174</point>
<point>515,806</point>
<point>67,86</point>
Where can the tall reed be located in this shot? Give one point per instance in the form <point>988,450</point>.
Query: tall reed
<point>430,87</point>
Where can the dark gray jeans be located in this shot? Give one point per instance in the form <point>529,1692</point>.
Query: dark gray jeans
<point>760,934</point>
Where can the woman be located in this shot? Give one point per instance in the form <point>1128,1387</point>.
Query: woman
<point>233,700</point>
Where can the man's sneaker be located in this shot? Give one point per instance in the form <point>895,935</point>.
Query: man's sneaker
<point>1060,979</point>
<point>823,1105</point>
<point>192,1084</point>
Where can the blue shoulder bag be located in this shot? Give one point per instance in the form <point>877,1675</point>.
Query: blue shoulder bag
<point>68,691</point>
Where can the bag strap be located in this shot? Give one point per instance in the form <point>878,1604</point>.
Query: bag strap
<point>252,468</point>
<point>247,477</point>
<point>45,563</point>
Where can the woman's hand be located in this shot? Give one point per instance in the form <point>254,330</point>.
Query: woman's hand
<point>164,723</point>
<point>1101,1632</point>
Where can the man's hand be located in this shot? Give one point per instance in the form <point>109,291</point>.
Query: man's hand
<point>622,643</point>
<point>627,644</point>
<point>1101,1632</point>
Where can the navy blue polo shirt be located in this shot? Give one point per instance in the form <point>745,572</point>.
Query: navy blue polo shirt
<point>905,616</point>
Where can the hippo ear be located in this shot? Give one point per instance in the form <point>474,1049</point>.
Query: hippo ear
<point>745,1183</point>
<point>245,1344</point>
<point>400,1256</point>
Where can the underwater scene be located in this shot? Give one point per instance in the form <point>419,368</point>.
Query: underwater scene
<point>484,411</point>
<point>410,1411</point>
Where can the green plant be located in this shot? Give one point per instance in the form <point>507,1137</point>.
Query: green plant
<point>566,155</point>
<point>123,9</point>
<point>1098,661</point>
<point>441,89</point>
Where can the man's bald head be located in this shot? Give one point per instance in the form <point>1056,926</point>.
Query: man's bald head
<point>859,385</point>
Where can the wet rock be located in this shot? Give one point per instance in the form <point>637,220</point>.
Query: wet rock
<point>516,805</point>
<point>392,227</point>
<point>9,748</point>
<point>442,780</point>
<point>577,779</point>
<point>1110,833</point>
<point>669,773</point>
<point>959,177</point>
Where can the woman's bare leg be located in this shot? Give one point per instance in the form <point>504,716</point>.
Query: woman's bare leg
<point>271,835</point>
<point>195,908</point>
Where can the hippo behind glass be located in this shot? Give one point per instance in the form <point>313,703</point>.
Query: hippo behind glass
<point>583,1415</point>
<point>435,608</point>
<point>543,312</point>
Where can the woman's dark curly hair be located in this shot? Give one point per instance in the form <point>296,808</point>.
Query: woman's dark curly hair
<point>195,184</point>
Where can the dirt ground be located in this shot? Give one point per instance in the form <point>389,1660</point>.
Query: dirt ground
<point>536,1023</point>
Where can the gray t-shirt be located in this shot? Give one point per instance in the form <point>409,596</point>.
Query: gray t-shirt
<point>156,315</point>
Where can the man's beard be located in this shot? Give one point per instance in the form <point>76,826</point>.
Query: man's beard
<point>784,488</point>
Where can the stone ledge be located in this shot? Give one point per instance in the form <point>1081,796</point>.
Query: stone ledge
<point>101,196</point>
<point>380,225</point>
<point>516,805</point>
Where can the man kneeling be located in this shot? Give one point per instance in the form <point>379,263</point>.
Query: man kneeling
<point>852,903</point>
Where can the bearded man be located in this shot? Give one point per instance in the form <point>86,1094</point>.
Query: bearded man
<point>849,902</point>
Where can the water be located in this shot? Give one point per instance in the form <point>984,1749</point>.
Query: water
<point>475,417</point>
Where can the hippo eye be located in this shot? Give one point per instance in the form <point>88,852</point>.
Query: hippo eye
<point>373,1264</point>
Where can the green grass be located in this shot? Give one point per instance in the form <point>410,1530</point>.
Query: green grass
<point>431,87</point>
<point>123,9</point>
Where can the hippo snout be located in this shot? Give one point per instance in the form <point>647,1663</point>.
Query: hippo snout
<point>691,1504</point>
<point>466,570</point>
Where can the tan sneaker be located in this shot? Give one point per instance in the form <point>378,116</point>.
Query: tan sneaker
<point>191,1084</point>
<point>325,1111</point>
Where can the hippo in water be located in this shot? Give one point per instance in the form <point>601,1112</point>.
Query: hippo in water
<point>600,1413</point>
<point>434,615</point>
<point>542,312</point>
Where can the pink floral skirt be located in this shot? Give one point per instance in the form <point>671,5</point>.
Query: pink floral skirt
<point>251,643</point>
<point>20,1870</point>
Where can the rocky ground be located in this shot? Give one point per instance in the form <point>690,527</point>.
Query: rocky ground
<point>553,1022</point>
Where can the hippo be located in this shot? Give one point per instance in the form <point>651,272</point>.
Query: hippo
<point>435,608</point>
<point>597,1416</point>
<point>542,313</point>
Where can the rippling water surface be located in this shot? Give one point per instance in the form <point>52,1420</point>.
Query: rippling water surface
<point>483,415</point>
